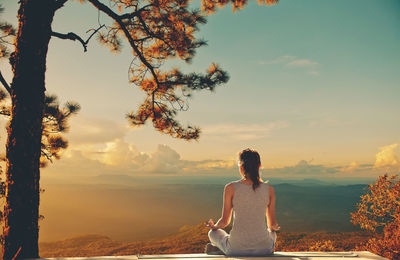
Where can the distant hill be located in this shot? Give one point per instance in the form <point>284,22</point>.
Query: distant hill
<point>317,207</point>
<point>152,210</point>
<point>192,239</point>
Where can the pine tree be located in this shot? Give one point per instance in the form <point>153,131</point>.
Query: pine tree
<point>156,31</point>
<point>55,118</point>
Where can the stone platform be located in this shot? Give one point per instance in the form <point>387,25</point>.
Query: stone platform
<point>359,255</point>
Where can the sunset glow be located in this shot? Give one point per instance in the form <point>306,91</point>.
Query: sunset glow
<point>313,86</point>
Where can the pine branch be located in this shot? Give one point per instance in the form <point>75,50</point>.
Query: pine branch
<point>5,84</point>
<point>70,36</point>
<point>134,14</point>
<point>117,18</point>
<point>73,36</point>
<point>48,157</point>
<point>146,28</point>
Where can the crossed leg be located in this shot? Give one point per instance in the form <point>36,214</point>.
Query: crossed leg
<point>219,238</point>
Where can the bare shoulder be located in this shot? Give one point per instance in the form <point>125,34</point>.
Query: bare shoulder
<point>229,187</point>
<point>270,188</point>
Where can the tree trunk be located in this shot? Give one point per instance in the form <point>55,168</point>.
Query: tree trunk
<point>21,231</point>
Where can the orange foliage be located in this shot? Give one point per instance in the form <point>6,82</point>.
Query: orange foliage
<point>210,6</point>
<point>379,210</point>
<point>321,241</point>
<point>325,246</point>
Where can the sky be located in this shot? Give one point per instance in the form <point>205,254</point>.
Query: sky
<point>314,88</point>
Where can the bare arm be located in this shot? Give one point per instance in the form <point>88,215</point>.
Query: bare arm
<point>272,223</point>
<point>226,210</point>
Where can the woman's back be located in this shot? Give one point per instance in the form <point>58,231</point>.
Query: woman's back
<point>250,234</point>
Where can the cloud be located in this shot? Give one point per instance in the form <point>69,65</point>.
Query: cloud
<point>163,160</point>
<point>305,169</point>
<point>75,163</point>
<point>302,63</point>
<point>85,131</point>
<point>351,167</point>
<point>387,156</point>
<point>243,131</point>
<point>302,168</point>
<point>108,153</point>
<point>211,167</point>
<point>313,72</point>
<point>290,61</point>
<point>97,146</point>
<point>279,60</point>
<point>118,152</point>
<point>121,158</point>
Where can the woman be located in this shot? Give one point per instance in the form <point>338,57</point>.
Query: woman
<point>253,205</point>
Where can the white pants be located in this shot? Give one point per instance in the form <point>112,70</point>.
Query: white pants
<point>220,239</point>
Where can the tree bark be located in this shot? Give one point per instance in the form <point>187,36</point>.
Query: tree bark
<point>21,231</point>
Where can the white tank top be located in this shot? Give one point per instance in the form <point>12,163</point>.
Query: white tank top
<point>250,234</point>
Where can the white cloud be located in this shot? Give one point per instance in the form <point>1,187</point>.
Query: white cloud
<point>118,152</point>
<point>351,167</point>
<point>85,130</point>
<point>121,158</point>
<point>302,63</point>
<point>210,165</point>
<point>302,168</point>
<point>279,60</point>
<point>386,162</point>
<point>97,146</point>
<point>290,61</point>
<point>387,156</point>
<point>108,153</point>
<point>75,163</point>
<point>243,131</point>
<point>163,160</point>
<point>313,73</point>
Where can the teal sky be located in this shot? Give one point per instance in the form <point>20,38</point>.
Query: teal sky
<point>314,87</point>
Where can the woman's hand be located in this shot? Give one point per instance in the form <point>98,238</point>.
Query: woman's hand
<point>210,224</point>
<point>275,227</point>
